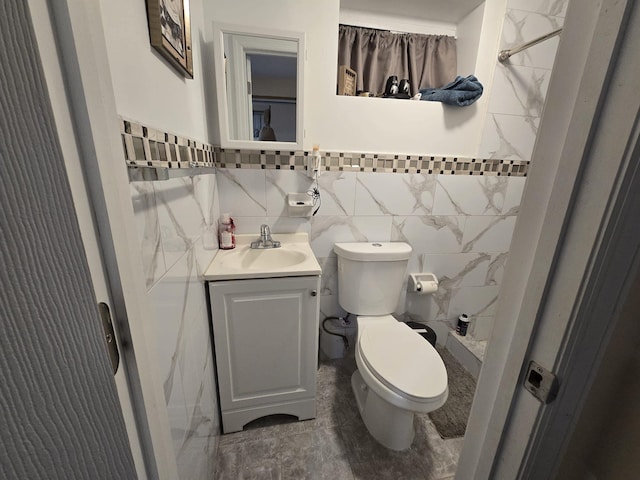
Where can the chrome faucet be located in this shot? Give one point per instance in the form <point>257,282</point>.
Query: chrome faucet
<point>265,240</point>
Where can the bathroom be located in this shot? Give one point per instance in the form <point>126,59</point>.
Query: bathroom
<point>459,227</point>
<point>81,67</point>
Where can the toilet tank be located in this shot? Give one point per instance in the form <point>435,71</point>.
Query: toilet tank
<point>371,276</point>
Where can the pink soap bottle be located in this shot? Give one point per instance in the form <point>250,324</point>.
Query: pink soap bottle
<point>226,232</point>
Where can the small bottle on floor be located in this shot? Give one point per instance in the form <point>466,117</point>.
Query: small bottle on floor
<point>463,325</point>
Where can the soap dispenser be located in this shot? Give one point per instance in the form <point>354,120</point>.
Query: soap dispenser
<point>226,232</point>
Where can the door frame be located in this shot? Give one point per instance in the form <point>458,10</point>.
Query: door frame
<point>565,272</point>
<point>602,243</point>
<point>81,51</point>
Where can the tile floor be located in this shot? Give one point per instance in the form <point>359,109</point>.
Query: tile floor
<point>333,446</point>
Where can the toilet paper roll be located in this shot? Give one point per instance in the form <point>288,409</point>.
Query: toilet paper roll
<point>423,288</point>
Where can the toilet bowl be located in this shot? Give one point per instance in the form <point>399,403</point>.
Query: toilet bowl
<point>399,372</point>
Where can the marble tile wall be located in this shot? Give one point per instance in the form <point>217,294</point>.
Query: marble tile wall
<point>520,84</point>
<point>170,217</point>
<point>459,227</point>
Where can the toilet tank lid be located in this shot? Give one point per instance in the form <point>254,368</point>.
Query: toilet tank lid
<point>373,251</point>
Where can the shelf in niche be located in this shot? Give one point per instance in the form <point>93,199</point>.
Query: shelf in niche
<point>379,98</point>
<point>368,103</point>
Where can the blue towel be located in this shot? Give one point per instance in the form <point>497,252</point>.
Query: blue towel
<point>461,92</point>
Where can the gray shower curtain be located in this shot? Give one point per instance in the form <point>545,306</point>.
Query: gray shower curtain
<point>428,61</point>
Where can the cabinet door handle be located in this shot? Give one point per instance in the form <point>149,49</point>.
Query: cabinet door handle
<point>314,293</point>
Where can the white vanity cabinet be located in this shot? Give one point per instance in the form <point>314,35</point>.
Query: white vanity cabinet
<point>266,347</point>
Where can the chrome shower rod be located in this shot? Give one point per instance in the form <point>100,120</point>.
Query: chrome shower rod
<point>505,54</point>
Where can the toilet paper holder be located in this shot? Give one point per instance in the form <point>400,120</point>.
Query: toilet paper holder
<point>423,283</point>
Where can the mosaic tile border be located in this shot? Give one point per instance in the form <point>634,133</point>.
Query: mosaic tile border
<point>148,147</point>
<point>370,162</point>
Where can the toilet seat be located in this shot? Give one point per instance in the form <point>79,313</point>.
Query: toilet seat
<point>403,362</point>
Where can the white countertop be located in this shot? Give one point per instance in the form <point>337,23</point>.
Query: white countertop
<point>293,259</point>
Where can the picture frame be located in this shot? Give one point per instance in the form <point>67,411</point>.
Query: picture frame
<point>170,32</point>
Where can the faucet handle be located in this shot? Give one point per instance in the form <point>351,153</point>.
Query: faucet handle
<point>265,240</point>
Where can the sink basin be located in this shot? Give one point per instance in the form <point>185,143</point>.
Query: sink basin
<point>293,258</point>
<point>269,258</point>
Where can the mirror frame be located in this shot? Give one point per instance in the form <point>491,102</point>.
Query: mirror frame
<point>219,29</point>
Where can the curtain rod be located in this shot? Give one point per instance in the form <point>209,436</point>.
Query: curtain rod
<point>397,32</point>
<point>505,54</point>
<point>360,26</point>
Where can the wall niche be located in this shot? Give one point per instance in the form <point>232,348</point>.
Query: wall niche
<point>460,19</point>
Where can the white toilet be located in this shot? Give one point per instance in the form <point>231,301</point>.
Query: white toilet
<point>399,373</point>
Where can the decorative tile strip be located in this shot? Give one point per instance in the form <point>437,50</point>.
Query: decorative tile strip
<point>149,147</point>
<point>261,159</point>
<point>370,162</point>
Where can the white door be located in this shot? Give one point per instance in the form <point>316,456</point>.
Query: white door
<point>576,243</point>
<point>61,417</point>
<point>70,43</point>
<point>83,209</point>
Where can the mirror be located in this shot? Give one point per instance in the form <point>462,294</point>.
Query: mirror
<point>259,79</point>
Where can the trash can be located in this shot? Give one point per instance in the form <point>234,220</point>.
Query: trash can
<point>332,346</point>
<point>426,332</point>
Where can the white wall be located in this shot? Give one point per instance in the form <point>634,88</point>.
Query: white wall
<point>147,88</point>
<point>363,124</point>
<point>467,43</point>
<point>170,218</point>
<point>396,23</point>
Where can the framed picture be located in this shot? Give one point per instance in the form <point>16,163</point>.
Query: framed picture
<point>170,32</point>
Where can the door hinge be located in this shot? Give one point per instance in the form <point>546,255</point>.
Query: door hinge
<point>542,383</point>
<point>110,336</point>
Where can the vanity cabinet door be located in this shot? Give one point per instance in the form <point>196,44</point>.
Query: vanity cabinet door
<point>265,335</point>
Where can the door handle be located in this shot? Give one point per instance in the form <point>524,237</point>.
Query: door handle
<point>110,336</point>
